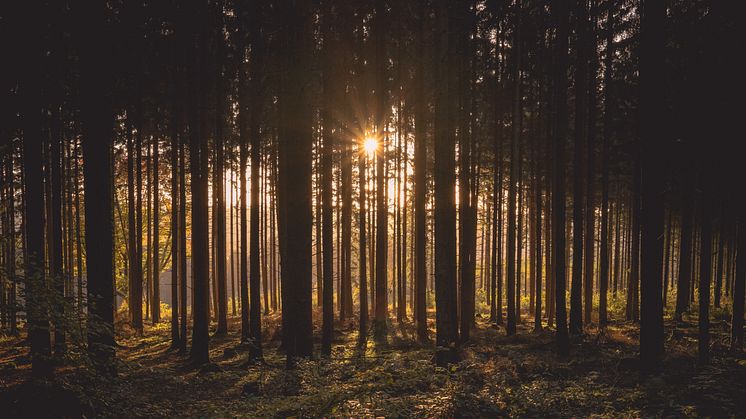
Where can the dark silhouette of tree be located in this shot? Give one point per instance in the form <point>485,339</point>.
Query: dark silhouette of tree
<point>653,143</point>
<point>513,271</point>
<point>579,167</point>
<point>420,184</point>
<point>256,70</point>
<point>467,211</point>
<point>560,11</point>
<point>218,211</point>
<point>135,270</point>
<point>604,266</point>
<point>295,140</point>
<point>155,301</point>
<point>198,162</point>
<point>327,155</point>
<point>380,328</point>
<point>705,280</point>
<point>446,315</point>
<point>245,135</point>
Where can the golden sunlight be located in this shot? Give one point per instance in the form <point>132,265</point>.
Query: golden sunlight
<point>370,145</point>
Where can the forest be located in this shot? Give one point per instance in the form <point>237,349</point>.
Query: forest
<point>372,208</point>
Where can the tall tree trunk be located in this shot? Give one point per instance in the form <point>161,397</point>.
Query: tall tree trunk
<point>199,155</point>
<point>362,268</point>
<point>97,170</point>
<point>155,300</point>
<point>420,184</point>
<point>138,303</point>
<point>537,254</point>
<point>135,291</point>
<point>561,14</point>
<point>684,280</point>
<point>175,228</point>
<point>219,174</point>
<point>296,139</point>
<point>604,243</point>
<point>720,259</point>
<point>591,47</point>
<point>232,240</point>
<point>633,276</point>
<point>317,227</point>
<point>467,209</point>
<point>244,138</point>
<point>653,135</point>
<point>37,316</point>
<point>148,224</point>
<point>55,223</point>
<point>327,155</point>
<point>256,74</point>
<point>78,228</point>
<point>581,128</point>
<point>513,272</point>
<point>381,279</point>
<point>446,315</point>
<point>705,273</point>
<point>97,135</point>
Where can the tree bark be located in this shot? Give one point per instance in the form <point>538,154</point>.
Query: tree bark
<point>381,301</point>
<point>420,184</point>
<point>446,314</point>
<point>561,13</point>
<point>581,114</point>
<point>653,135</point>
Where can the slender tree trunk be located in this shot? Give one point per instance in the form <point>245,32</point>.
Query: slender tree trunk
<point>244,134</point>
<point>317,228</point>
<point>155,311</point>
<point>327,155</point>
<point>581,113</point>
<point>56,247</point>
<point>219,177</point>
<point>134,297</point>
<point>420,185</point>
<point>606,143</point>
<point>720,259</point>
<point>467,212</point>
<point>590,202</point>
<point>182,247</point>
<point>633,277</point>
<point>513,272</point>
<point>78,229</point>
<point>667,246</point>
<point>175,228</point>
<point>232,240</point>
<point>705,273</point>
<point>148,227</point>
<point>736,340</point>
<point>561,13</point>
<point>381,301</point>
<point>537,251</point>
<point>256,70</point>
<point>684,279</point>
<point>198,153</point>
<point>404,228</point>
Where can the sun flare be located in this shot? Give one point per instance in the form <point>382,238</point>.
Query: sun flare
<point>371,145</point>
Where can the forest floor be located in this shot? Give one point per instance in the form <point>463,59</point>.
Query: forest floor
<point>498,376</point>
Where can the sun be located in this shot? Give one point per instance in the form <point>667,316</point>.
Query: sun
<point>371,145</point>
